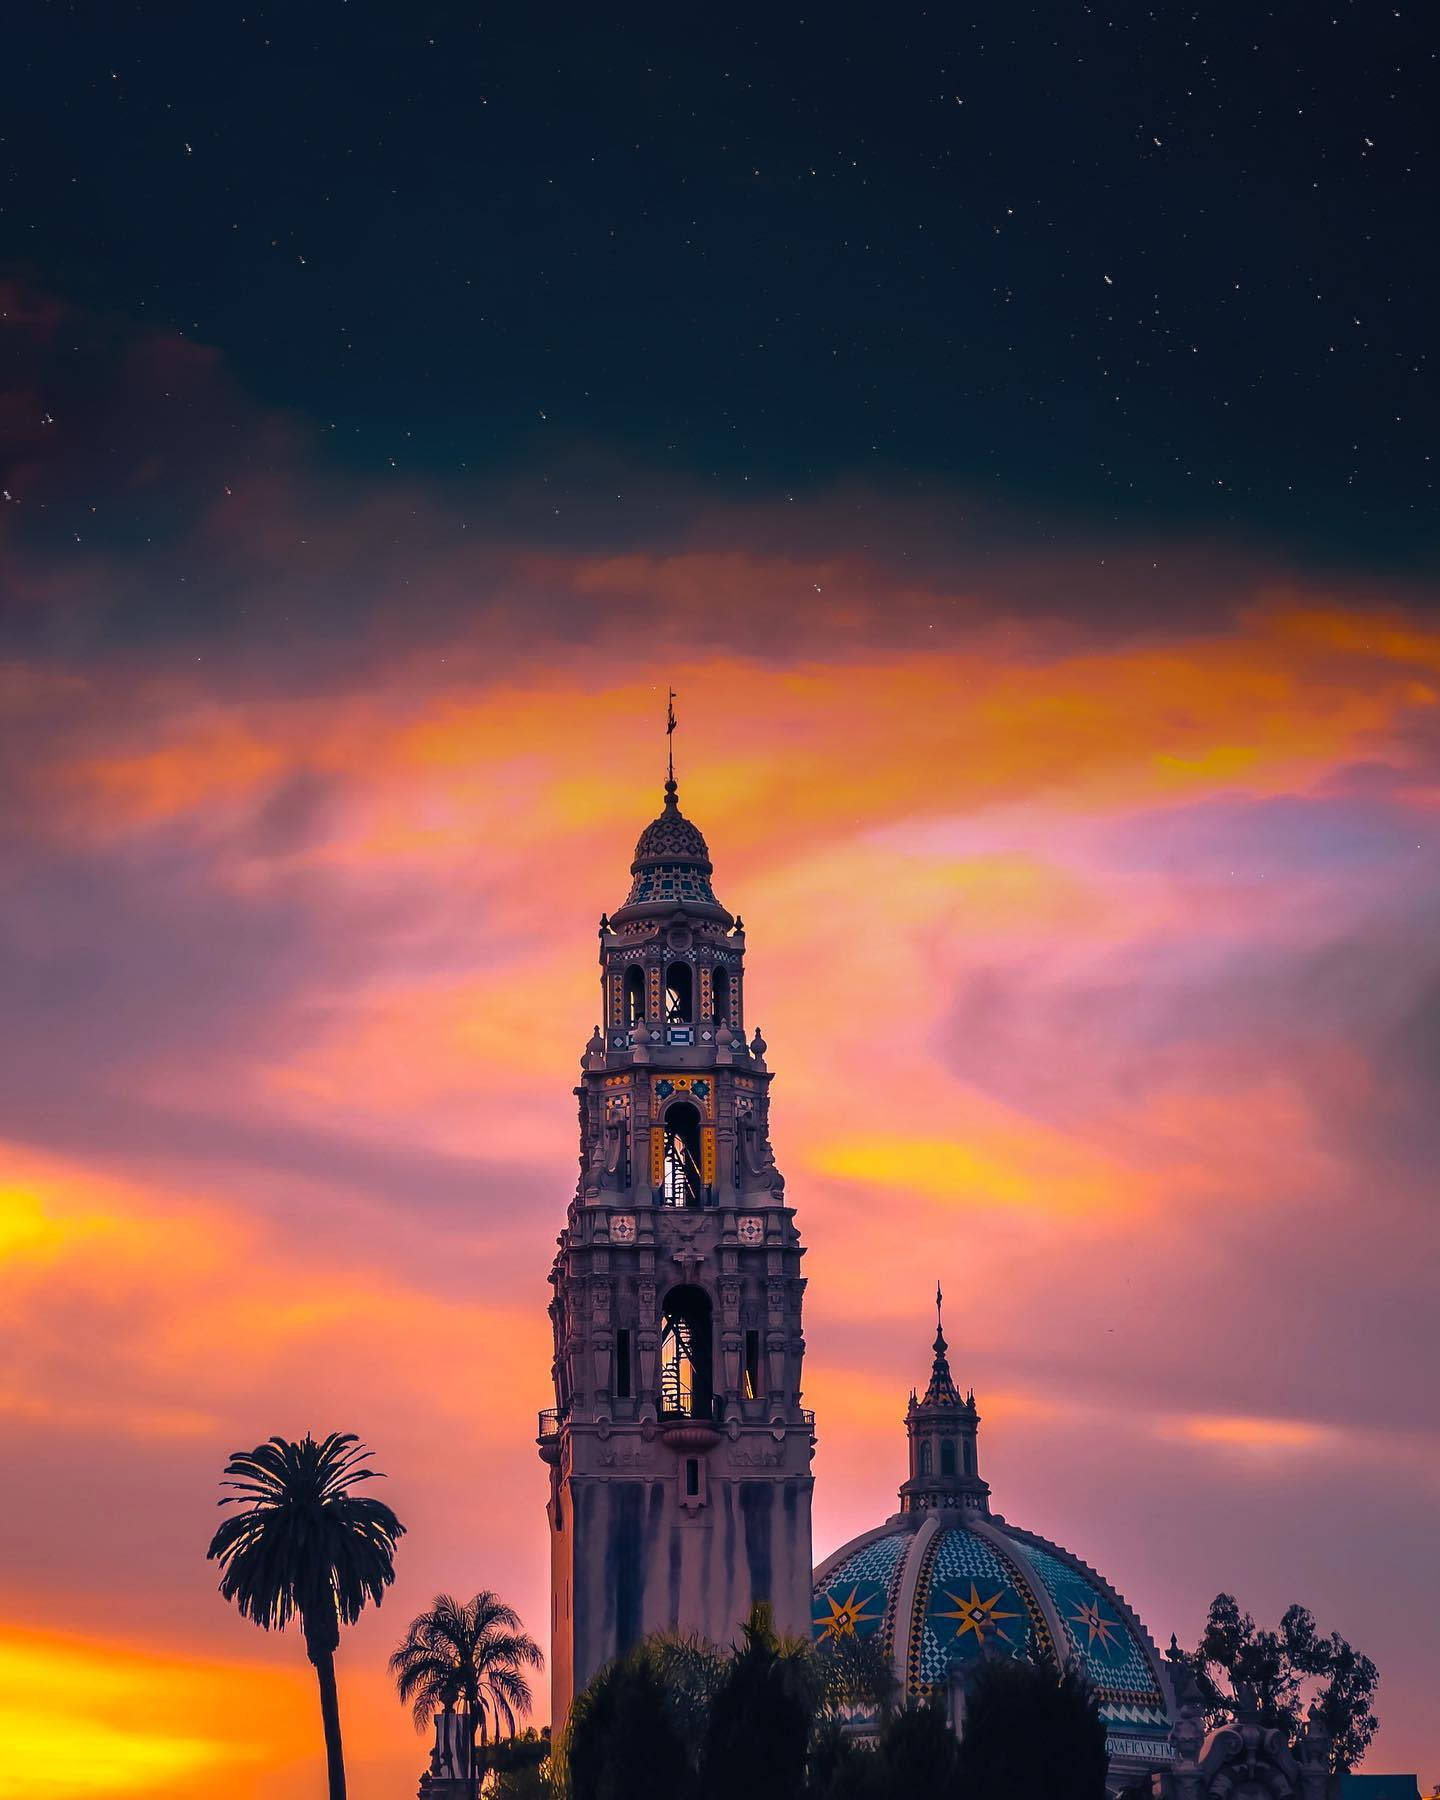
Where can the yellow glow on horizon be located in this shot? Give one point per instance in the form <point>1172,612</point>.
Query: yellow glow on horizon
<point>87,1716</point>
<point>27,1228</point>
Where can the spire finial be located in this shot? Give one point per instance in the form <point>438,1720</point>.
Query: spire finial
<point>942,1390</point>
<point>670,788</point>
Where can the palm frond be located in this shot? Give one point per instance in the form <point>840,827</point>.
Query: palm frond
<point>303,1544</point>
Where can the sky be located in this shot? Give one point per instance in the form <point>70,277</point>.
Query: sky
<point>1010,437</point>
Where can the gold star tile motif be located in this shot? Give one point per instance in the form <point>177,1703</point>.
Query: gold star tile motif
<point>1106,1631</point>
<point>979,1616</point>
<point>845,1615</point>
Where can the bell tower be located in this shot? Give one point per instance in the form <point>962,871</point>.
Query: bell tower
<point>678,1450</point>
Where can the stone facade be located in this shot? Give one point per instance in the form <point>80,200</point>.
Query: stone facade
<point>1240,1761</point>
<point>678,1449</point>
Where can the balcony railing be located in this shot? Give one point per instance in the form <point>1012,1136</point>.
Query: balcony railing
<point>552,1418</point>
<point>713,1414</point>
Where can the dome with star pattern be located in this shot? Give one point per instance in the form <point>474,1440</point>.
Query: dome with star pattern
<point>939,1593</point>
<point>945,1583</point>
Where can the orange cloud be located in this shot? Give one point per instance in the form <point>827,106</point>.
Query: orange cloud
<point>1266,708</point>
<point>1254,1433</point>
<point>1013,1170</point>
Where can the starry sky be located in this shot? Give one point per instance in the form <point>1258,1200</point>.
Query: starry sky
<point>1010,433</point>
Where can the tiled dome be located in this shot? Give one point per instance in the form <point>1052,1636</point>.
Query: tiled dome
<point>672,861</point>
<point>671,836</point>
<point>939,1594</point>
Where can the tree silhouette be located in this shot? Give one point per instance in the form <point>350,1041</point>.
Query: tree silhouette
<point>1267,1675</point>
<point>758,1733</point>
<point>1031,1732</point>
<point>476,1654</point>
<point>622,1741</point>
<point>305,1546</point>
<point>918,1754</point>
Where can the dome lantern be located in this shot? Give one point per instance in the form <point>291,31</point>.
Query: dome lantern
<point>942,1427</point>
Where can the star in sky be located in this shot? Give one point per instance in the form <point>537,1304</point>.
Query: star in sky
<point>979,1616</point>
<point>845,1615</point>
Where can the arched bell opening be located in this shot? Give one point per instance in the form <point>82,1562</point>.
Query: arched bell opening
<point>926,1460</point>
<point>686,1354</point>
<point>684,1183</point>
<point>679,994</point>
<point>634,995</point>
<point>969,1456</point>
<point>947,1457</point>
<point>720,990</point>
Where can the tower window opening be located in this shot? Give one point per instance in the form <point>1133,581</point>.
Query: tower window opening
<point>947,1457</point>
<point>684,1183</point>
<point>720,988</point>
<point>679,993</point>
<point>685,1354</point>
<point>752,1365</point>
<point>634,996</point>
<point>969,1456</point>
<point>692,1474</point>
<point>622,1366</point>
<point>926,1459</point>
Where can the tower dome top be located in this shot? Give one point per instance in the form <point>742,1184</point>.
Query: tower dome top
<point>671,837</point>
<point>672,866</point>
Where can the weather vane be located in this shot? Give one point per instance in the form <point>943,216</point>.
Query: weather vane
<point>670,733</point>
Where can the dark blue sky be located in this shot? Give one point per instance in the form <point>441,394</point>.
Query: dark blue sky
<point>1170,268</point>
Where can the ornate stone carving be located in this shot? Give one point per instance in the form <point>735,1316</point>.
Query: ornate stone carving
<point>750,1455</point>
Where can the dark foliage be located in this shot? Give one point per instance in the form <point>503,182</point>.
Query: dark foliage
<point>758,1734</point>
<point>744,1723</point>
<point>917,1754</point>
<point>838,1769</point>
<point>1271,1675</point>
<point>1031,1734</point>
<point>622,1742</point>
<point>516,1767</point>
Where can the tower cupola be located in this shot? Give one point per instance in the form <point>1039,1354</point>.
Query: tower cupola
<point>942,1426</point>
<point>672,869</point>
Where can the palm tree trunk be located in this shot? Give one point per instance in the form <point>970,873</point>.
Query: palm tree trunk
<point>324,1661</point>
<point>474,1769</point>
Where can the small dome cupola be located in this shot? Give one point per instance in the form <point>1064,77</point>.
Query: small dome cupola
<point>672,868</point>
<point>942,1426</point>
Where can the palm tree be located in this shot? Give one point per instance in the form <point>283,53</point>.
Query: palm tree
<point>477,1653</point>
<point>305,1546</point>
